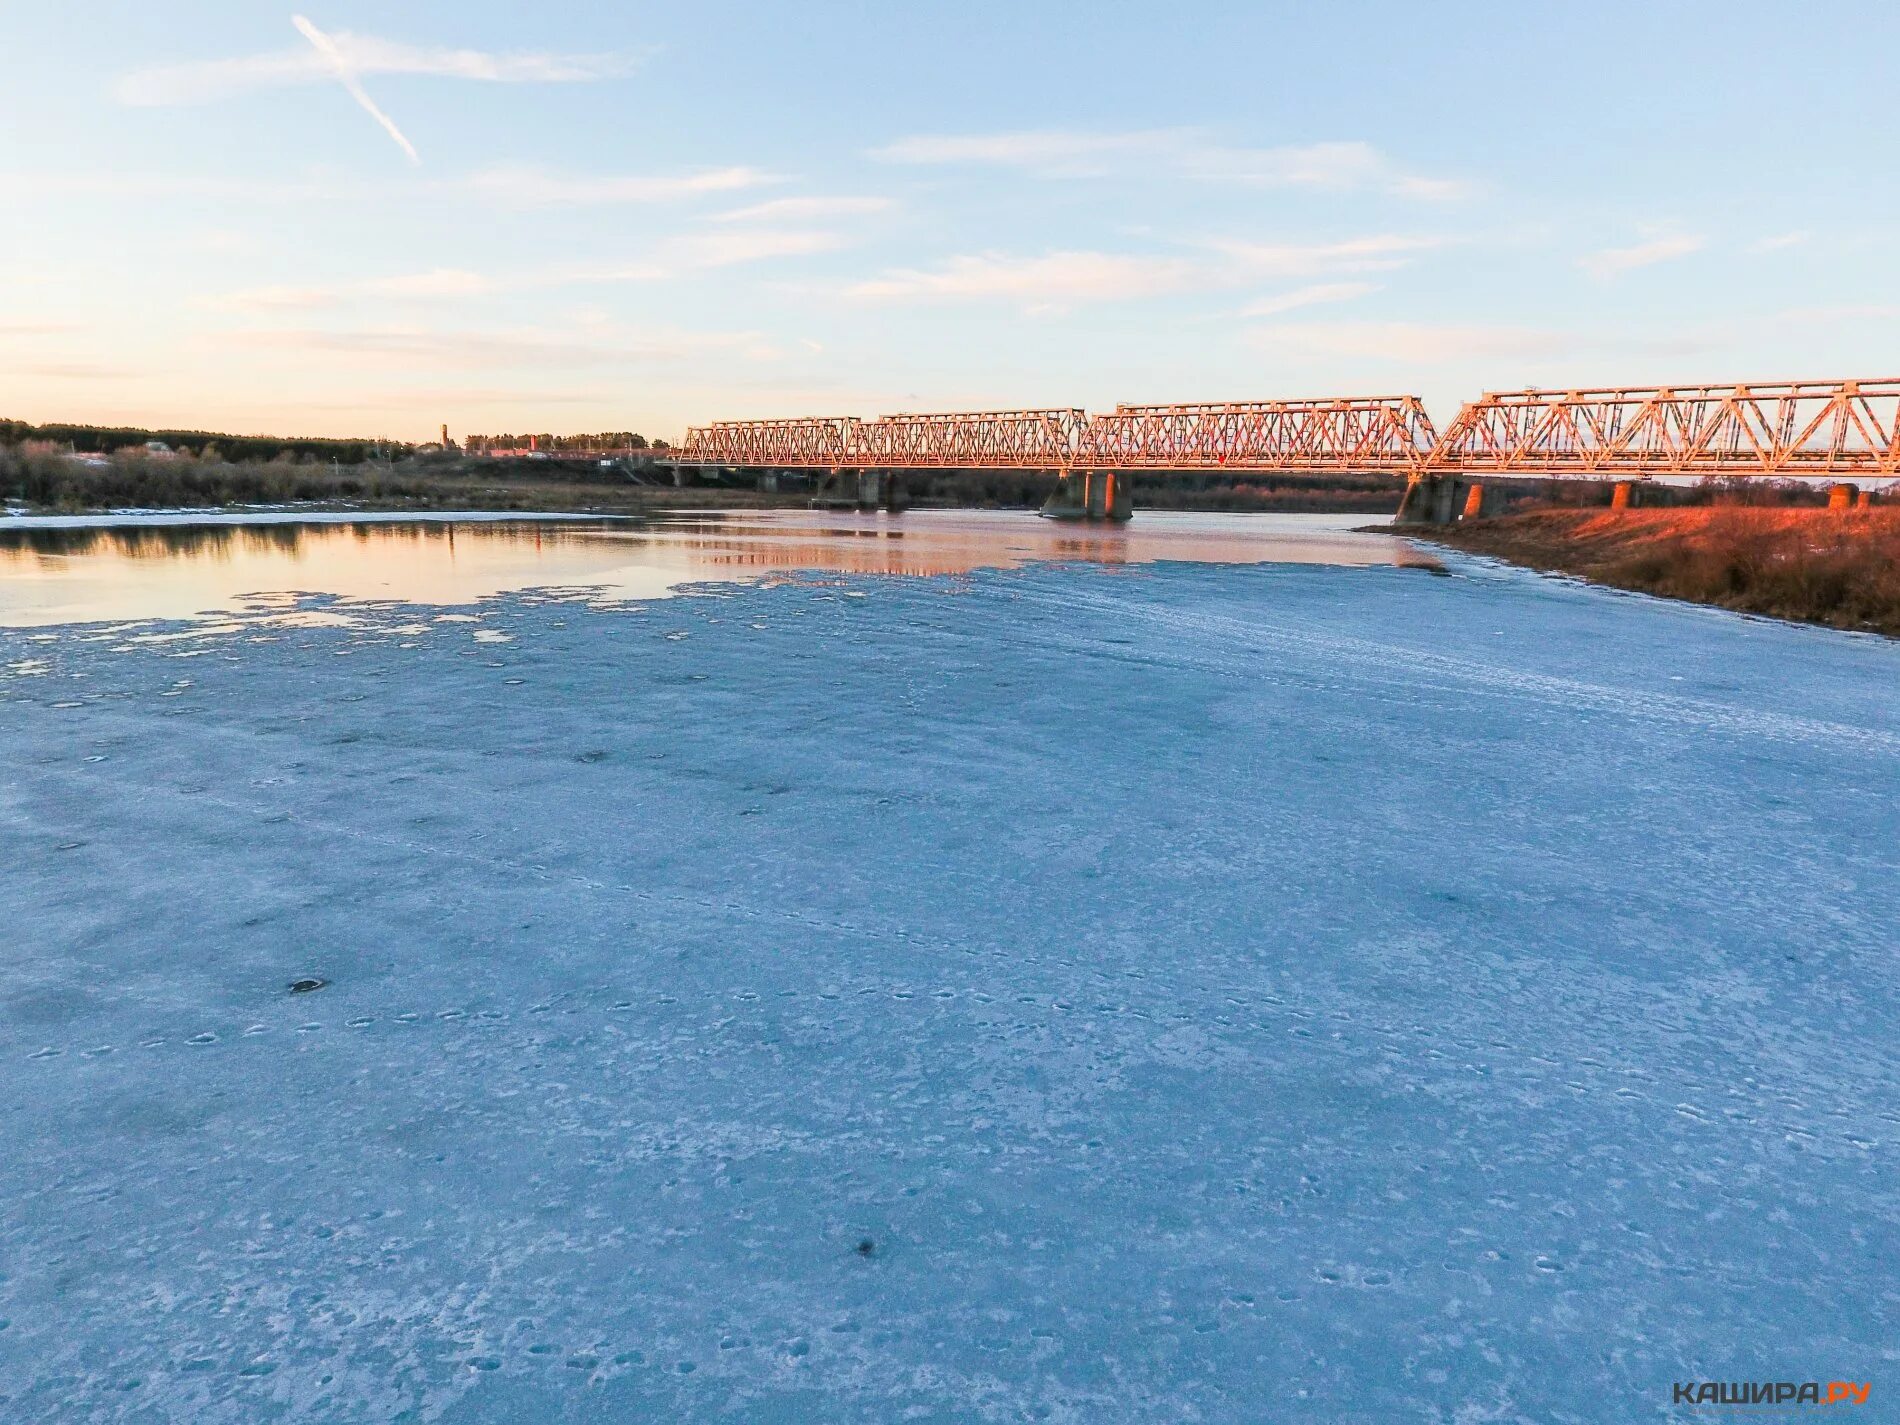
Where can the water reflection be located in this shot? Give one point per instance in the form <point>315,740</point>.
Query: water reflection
<point>116,572</point>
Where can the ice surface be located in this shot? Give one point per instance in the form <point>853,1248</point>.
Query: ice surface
<point>1215,993</point>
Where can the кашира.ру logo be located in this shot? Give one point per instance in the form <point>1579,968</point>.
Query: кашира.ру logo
<point>1770,1392</point>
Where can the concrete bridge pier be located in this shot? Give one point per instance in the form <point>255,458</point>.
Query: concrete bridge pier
<point>1432,499</point>
<point>1842,496</point>
<point>1089,495</point>
<point>861,490</point>
<point>1623,495</point>
<point>838,489</point>
<point>1482,501</point>
<point>895,494</point>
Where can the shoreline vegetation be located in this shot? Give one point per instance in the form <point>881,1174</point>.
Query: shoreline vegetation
<point>103,471</point>
<point>1840,568</point>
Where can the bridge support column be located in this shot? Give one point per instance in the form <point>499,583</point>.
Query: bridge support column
<point>1842,496</point>
<point>1866,499</point>
<point>848,489</point>
<point>1482,502</point>
<point>1090,495</point>
<point>1430,499</point>
<point>1623,495</point>
<point>881,490</point>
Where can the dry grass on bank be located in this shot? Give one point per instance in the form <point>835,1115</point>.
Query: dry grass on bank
<point>45,480</point>
<point>1818,566</point>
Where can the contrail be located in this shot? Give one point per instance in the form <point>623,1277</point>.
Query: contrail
<point>326,47</point>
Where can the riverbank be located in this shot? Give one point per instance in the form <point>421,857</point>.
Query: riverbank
<point>1812,566</point>
<point>40,481</point>
<point>386,492</point>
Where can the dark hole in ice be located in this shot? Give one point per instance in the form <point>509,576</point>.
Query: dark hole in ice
<point>304,987</point>
<point>866,1247</point>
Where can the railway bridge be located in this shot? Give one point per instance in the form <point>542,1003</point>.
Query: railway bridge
<point>1841,431</point>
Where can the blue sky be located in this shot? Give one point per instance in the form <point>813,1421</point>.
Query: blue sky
<point>584,215</point>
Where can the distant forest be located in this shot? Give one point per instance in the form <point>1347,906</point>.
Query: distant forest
<point>104,440</point>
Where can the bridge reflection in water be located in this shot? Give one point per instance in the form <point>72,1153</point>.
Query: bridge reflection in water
<point>130,572</point>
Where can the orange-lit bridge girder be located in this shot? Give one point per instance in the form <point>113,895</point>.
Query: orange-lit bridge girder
<point>976,440</point>
<point>1786,428</point>
<point>1368,433</point>
<point>1389,433</point>
<point>1804,428</point>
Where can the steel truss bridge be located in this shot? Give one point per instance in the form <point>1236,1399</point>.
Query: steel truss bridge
<point>1836,429</point>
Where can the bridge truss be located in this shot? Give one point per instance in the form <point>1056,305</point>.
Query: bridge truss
<point>1390,433</point>
<point>1835,428</point>
<point>1812,428</point>
<point>1377,433</point>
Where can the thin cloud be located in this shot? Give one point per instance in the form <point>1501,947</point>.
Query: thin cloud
<point>1050,279</point>
<point>442,284</point>
<point>340,66</point>
<point>1613,262</point>
<point>692,252</point>
<point>70,371</point>
<point>1435,190</point>
<point>1087,154</point>
<point>719,248</point>
<point>150,185</point>
<point>700,250</point>
<point>739,245</point>
<point>1323,165</point>
<point>804,209</point>
<point>1849,312</point>
<point>1427,344</point>
<point>1781,242</point>
<point>1378,252</point>
<point>208,81</point>
<point>438,349</point>
<point>1317,295</point>
<point>536,188</point>
<point>1416,343</point>
<point>515,186</point>
<point>1048,151</point>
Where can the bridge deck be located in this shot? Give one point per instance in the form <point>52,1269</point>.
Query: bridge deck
<point>1804,428</point>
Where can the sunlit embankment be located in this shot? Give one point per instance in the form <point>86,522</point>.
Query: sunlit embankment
<point>1840,568</point>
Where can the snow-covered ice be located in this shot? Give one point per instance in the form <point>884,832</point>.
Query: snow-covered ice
<point>1177,993</point>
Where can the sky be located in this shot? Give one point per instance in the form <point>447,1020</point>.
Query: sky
<point>343,218</point>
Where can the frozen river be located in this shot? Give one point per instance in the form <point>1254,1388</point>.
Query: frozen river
<point>1233,977</point>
